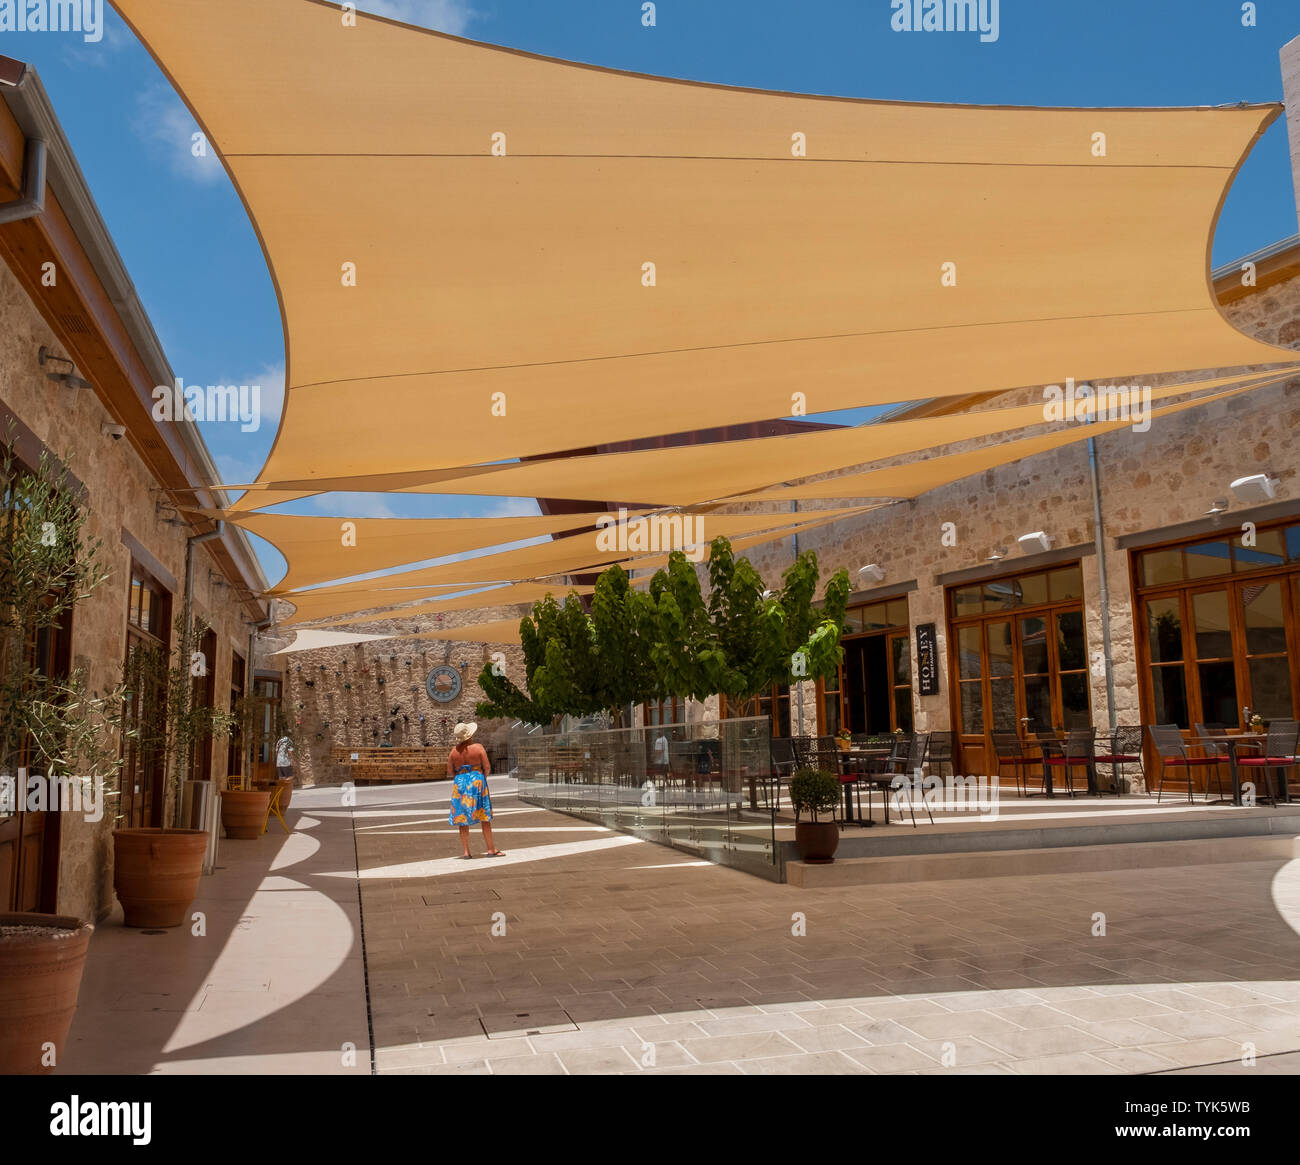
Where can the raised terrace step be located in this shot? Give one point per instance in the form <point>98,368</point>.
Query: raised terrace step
<point>1055,860</point>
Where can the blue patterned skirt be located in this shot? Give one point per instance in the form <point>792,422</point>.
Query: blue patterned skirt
<point>470,803</point>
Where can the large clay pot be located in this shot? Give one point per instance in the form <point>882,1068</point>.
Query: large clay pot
<point>156,873</point>
<point>40,975</point>
<point>243,813</point>
<point>817,841</point>
<point>286,790</point>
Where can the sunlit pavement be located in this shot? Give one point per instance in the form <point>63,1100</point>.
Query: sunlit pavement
<point>624,956</point>
<point>587,951</point>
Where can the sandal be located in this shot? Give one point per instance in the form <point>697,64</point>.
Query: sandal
<point>464,857</point>
<point>495,853</point>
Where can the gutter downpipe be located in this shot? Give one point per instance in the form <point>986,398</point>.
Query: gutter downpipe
<point>187,628</point>
<point>32,202</point>
<point>794,509</point>
<point>1099,533</point>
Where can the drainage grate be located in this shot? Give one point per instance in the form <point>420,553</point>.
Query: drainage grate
<point>454,896</point>
<point>508,1024</point>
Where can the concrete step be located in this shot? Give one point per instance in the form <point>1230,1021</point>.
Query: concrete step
<point>1056,860</point>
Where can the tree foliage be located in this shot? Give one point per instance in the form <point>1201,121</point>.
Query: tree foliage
<point>672,639</point>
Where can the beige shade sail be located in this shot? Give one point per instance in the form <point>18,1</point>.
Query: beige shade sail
<point>311,606</point>
<point>917,477</point>
<point>312,640</point>
<point>569,555</point>
<point>527,255</point>
<point>320,549</point>
<point>506,596</point>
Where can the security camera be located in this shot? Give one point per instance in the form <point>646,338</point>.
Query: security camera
<point>117,432</point>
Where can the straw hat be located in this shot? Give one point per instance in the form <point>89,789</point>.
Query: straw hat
<point>463,732</point>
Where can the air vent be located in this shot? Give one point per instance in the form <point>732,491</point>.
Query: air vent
<point>74,324</point>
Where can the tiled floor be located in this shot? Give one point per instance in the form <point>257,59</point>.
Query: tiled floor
<point>588,951</point>
<point>663,964</point>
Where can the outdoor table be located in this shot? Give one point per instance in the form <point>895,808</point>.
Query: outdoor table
<point>1232,741</point>
<point>864,754</point>
<point>1060,740</point>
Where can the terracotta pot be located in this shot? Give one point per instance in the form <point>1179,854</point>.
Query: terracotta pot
<point>40,976</point>
<point>286,787</point>
<point>156,873</point>
<point>817,841</point>
<point>244,813</point>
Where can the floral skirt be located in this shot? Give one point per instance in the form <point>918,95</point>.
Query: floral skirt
<point>470,802</point>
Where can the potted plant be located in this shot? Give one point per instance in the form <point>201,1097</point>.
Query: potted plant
<point>156,871</point>
<point>53,731</point>
<point>815,791</point>
<point>844,739</point>
<point>253,714</point>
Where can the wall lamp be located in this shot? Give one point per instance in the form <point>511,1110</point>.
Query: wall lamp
<point>1259,487</point>
<point>873,572</point>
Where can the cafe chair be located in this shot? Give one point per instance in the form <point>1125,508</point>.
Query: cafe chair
<point>941,753</point>
<point>1279,755</point>
<point>913,762</point>
<point>1214,748</point>
<point>1010,753</point>
<point>1167,741</point>
<point>1077,750</point>
<point>1122,747</point>
<point>783,767</point>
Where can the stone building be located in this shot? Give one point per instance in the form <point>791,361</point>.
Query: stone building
<point>67,306</point>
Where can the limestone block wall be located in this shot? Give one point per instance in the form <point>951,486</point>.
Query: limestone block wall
<point>333,696</point>
<point>122,496</point>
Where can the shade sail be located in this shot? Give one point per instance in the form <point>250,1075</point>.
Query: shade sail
<point>312,605</point>
<point>525,274</point>
<point>693,474</point>
<point>918,477</point>
<point>320,549</point>
<point>311,640</point>
<point>496,597</point>
<point>562,556</point>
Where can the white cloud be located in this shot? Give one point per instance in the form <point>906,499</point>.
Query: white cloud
<point>164,124</point>
<point>451,16</point>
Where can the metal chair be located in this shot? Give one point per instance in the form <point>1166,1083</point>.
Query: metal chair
<point>1077,750</point>
<point>1009,750</point>
<point>1279,754</point>
<point>784,764</point>
<point>1167,740</point>
<point>941,753</point>
<point>1122,747</point>
<point>913,763</point>
<point>1216,749</point>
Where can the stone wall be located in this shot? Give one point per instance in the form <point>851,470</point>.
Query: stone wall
<point>333,695</point>
<point>122,497</point>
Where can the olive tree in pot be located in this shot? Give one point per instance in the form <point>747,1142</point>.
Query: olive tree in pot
<point>156,871</point>
<point>814,791</point>
<point>58,742</point>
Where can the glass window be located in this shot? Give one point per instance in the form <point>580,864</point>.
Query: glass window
<point>967,601</point>
<point>1162,566</point>
<point>1270,687</point>
<point>1208,559</point>
<point>902,660</point>
<point>1264,619</point>
<point>1074,701</point>
<point>1170,688</point>
<point>875,617</point>
<point>1165,631</point>
<point>1002,705</point>
<point>972,709</point>
<point>1219,704</point>
<point>852,620</point>
<point>1071,646</point>
<point>1033,590</point>
<point>1293,543</point>
<point>146,608</point>
<point>1066,583</point>
<point>1001,655</point>
<point>1001,595</point>
<point>968,653</point>
<point>1213,626</point>
<point>898,612</point>
<point>1033,645</point>
<point>1269,550</point>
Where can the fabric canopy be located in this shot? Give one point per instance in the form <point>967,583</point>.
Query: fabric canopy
<point>694,474</point>
<point>530,256</point>
<point>916,477</point>
<point>319,549</point>
<point>506,596</point>
<point>311,640</point>
<point>562,556</point>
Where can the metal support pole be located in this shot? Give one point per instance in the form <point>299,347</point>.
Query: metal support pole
<point>1099,538</point>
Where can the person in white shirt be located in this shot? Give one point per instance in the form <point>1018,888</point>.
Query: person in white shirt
<point>284,757</point>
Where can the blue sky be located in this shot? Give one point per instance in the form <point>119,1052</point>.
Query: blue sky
<point>201,276</point>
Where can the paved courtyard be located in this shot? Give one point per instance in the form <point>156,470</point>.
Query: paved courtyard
<point>586,951</point>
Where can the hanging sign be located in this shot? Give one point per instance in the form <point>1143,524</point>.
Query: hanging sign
<point>927,659</point>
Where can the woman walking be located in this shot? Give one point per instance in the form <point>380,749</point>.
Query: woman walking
<point>468,766</point>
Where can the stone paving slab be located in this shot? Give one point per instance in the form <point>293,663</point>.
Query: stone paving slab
<point>669,966</point>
